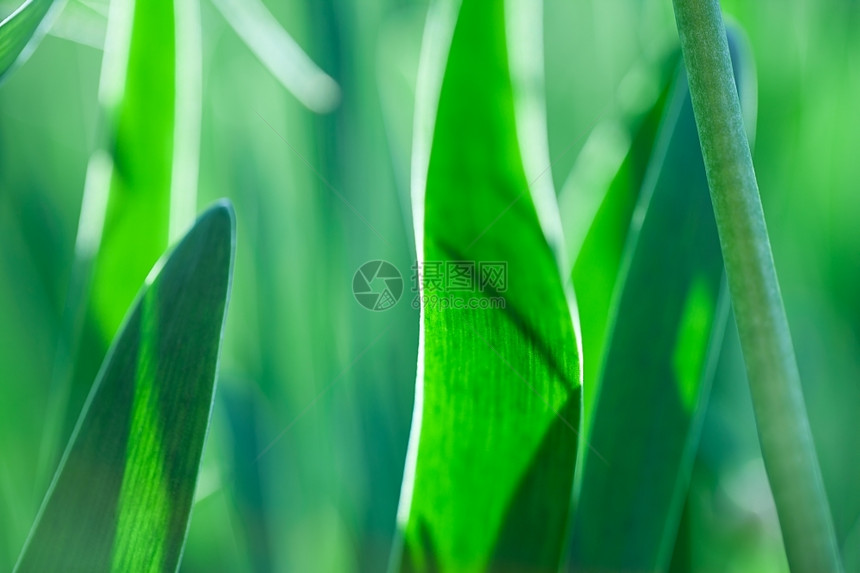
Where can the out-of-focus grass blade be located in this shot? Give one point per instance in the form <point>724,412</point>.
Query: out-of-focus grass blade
<point>603,228</point>
<point>280,53</point>
<point>140,187</point>
<point>398,52</point>
<point>851,548</point>
<point>242,415</point>
<point>22,30</point>
<point>665,330</point>
<point>122,497</point>
<point>494,437</point>
<point>132,184</point>
<point>81,23</point>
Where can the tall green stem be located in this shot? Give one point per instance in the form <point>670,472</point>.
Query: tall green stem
<point>786,440</point>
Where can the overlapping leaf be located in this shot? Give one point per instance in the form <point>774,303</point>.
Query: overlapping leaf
<point>21,31</point>
<point>140,187</point>
<point>668,316</point>
<point>494,437</point>
<point>121,498</point>
<point>598,256</point>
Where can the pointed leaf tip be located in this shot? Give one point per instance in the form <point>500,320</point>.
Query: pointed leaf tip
<point>121,499</point>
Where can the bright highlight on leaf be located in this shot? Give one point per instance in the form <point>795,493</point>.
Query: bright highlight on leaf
<point>495,429</point>
<point>693,327</point>
<point>121,499</point>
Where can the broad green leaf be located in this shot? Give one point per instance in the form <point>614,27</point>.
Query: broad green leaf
<point>121,499</point>
<point>22,30</point>
<point>495,429</point>
<point>140,189</point>
<point>665,330</point>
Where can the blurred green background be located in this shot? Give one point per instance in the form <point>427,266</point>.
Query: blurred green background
<point>323,388</point>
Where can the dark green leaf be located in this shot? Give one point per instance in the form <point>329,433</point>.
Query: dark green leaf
<point>598,260</point>
<point>494,437</point>
<point>121,499</point>
<point>665,329</point>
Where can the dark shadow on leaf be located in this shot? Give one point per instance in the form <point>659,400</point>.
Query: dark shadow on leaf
<point>532,534</point>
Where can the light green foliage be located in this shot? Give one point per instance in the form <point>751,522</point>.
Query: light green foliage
<point>305,456</point>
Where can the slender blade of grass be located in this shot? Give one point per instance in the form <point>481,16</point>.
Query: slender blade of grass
<point>121,499</point>
<point>133,179</point>
<point>280,53</point>
<point>494,437</point>
<point>652,387</point>
<point>783,427</point>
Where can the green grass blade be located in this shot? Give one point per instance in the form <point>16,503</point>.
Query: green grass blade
<point>121,499</point>
<point>129,187</point>
<point>22,30</point>
<point>398,52</point>
<point>667,324</point>
<point>140,188</point>
<point>279,52</point>
<point>494,437</point>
